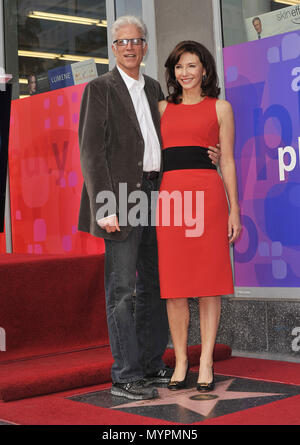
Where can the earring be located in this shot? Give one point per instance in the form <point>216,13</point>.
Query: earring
<point>204,78</point>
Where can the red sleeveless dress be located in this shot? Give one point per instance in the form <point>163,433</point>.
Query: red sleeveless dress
<point>192,209</point>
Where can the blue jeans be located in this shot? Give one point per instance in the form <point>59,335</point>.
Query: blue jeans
<point>138,328</point>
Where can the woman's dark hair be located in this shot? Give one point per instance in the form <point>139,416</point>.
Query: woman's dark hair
<point>210,84</point>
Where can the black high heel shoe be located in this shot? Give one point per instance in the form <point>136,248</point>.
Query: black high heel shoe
<point>205,387</point>
<point>178,384</point>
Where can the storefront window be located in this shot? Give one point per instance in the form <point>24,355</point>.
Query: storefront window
<point>124,7</point>
<point>51,44</point>
<point>245,20</point>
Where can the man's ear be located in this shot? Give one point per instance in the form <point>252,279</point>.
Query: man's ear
<point>113,49</point>
<point>145,49</point>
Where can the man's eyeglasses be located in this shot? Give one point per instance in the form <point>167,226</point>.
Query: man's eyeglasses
<point>124,42</point>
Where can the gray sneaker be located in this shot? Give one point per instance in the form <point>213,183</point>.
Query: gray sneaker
<point>138,390</point>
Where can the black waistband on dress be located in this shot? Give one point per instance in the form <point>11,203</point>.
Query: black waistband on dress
<point>186,157</point>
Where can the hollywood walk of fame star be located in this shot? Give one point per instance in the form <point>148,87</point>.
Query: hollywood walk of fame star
<point>192,400</point>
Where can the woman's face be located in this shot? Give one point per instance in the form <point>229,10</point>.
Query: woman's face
<point>32,84</point>
<point>189,71</point>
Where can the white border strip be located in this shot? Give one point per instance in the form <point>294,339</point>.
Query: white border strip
<point>151,60</point>
<point>2,54</point>
<point>7,216</point>
<point>268,293</point>
<point>217,25</point>
<point>110,17</point>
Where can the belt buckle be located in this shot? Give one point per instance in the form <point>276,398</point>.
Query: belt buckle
<point>151,175</point>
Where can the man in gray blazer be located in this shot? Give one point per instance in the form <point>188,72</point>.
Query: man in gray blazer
<point>119,138</point>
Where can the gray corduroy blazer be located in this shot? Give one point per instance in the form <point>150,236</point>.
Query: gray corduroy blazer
<point>111,145</point>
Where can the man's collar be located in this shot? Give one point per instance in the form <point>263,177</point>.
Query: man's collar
<point>130,81</point>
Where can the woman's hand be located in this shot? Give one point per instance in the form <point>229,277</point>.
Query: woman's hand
<point>214,154</point>
<point>234,225</point>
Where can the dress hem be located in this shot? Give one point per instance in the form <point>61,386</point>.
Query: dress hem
<point>214,294</point>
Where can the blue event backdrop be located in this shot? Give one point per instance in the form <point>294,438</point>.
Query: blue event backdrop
<point>262,80</point>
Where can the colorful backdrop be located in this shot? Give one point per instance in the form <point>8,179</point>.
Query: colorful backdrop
<point>45,174</point>
<point>263,83</point>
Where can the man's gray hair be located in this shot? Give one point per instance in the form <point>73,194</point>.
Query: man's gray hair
<point>129,20</point>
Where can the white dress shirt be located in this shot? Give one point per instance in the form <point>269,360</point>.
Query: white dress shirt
<point>152,153</point>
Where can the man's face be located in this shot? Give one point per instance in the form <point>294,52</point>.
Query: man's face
<point>32,84</point>
<point>257,26</point>
<point>129,57</point>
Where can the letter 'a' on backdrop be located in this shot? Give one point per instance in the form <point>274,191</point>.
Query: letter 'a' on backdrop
<point>5,101</point>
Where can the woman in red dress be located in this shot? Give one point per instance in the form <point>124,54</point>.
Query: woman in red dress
<point>194,226</point>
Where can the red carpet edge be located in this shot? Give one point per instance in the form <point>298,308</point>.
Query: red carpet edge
<point>51,374</point>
